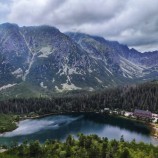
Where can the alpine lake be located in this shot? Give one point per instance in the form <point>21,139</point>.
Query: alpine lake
<point>60,126</point>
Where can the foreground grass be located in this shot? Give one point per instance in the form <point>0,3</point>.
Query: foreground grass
<point>7,122</point>
<point>90,146</point>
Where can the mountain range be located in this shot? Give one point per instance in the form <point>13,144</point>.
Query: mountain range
<point>41,59</point>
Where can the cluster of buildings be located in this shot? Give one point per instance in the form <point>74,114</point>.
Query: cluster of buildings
<point>146,115</point>
<point>142,114</point>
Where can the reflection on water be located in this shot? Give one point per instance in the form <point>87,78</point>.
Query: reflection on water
<point>31,126</point>
<point>60,126</point>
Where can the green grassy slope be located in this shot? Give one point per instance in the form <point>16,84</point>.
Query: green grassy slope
<point>7,123</point>
<point>23,90</point>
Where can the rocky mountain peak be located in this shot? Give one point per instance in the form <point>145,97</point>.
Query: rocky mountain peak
<point>46,58</point>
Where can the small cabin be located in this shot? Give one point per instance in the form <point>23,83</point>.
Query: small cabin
<point>142,113</point>
<point>106,109</point>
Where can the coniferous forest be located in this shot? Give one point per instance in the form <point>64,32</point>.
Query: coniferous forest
<point>128,98</point>
<point>90,146</point>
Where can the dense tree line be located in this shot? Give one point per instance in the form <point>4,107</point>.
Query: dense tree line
<point>90,146</point>
<point>143,96</point>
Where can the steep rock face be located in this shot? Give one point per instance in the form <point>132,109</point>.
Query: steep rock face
<point>59,63</point>
<point>98,50</point>
<point>13,46</point>
<point>118,59</point>
<point>149,59</point>
<point>14,53</point>
<point>44,57</point>
<point>6,75</point>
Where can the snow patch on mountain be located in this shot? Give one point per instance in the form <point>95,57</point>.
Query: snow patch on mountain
<point>53,80</point>
<point>30,65</point>
<point>108,71</point>
<point>27,44</point>
<point>91,89</point>
<point>46,51</point>
<point>90,71</point>
<point>18,73</point>
<point>57,89</point>
<point>72,71</point>
<point>64,70</point>
<point>130,69</point>
<point>42,85</point>
<point>66,86</point>
<point>98,80</point>
<point>7,86</point>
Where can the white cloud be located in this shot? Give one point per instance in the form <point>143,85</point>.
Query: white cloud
<point>33,12</point>
<point>4,9</point>
<point>132,22</point>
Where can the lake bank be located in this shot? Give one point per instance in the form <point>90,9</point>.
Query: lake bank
<point>154,128</point>
<point>150,126</point>
<point>7,123</point>
<point>60,126</point>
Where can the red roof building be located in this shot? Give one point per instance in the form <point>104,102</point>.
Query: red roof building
<point>142,113</point>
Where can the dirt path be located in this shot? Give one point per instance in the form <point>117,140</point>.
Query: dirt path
<point>155,129</point>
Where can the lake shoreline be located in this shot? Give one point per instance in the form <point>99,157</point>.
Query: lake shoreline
<point>59,125</point>
<point>152,126</point>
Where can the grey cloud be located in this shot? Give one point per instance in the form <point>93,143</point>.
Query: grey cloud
<point>131,22</point>
<point>4,10</point>
<point>83,12</point>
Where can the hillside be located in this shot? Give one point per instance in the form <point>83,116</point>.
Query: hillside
<point>128,98</point>
<point>42,60</point>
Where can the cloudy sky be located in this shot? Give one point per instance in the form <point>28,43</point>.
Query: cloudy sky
<point>131,22</point>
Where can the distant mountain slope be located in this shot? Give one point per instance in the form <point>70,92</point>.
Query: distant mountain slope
<point>14,54</point>
<point>130,62</point>
<point>47,59</point>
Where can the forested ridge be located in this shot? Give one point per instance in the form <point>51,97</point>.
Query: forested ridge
<point>144,96</point>
<point>90,146</point>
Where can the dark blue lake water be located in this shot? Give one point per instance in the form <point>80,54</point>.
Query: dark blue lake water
<point>60,126</point>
